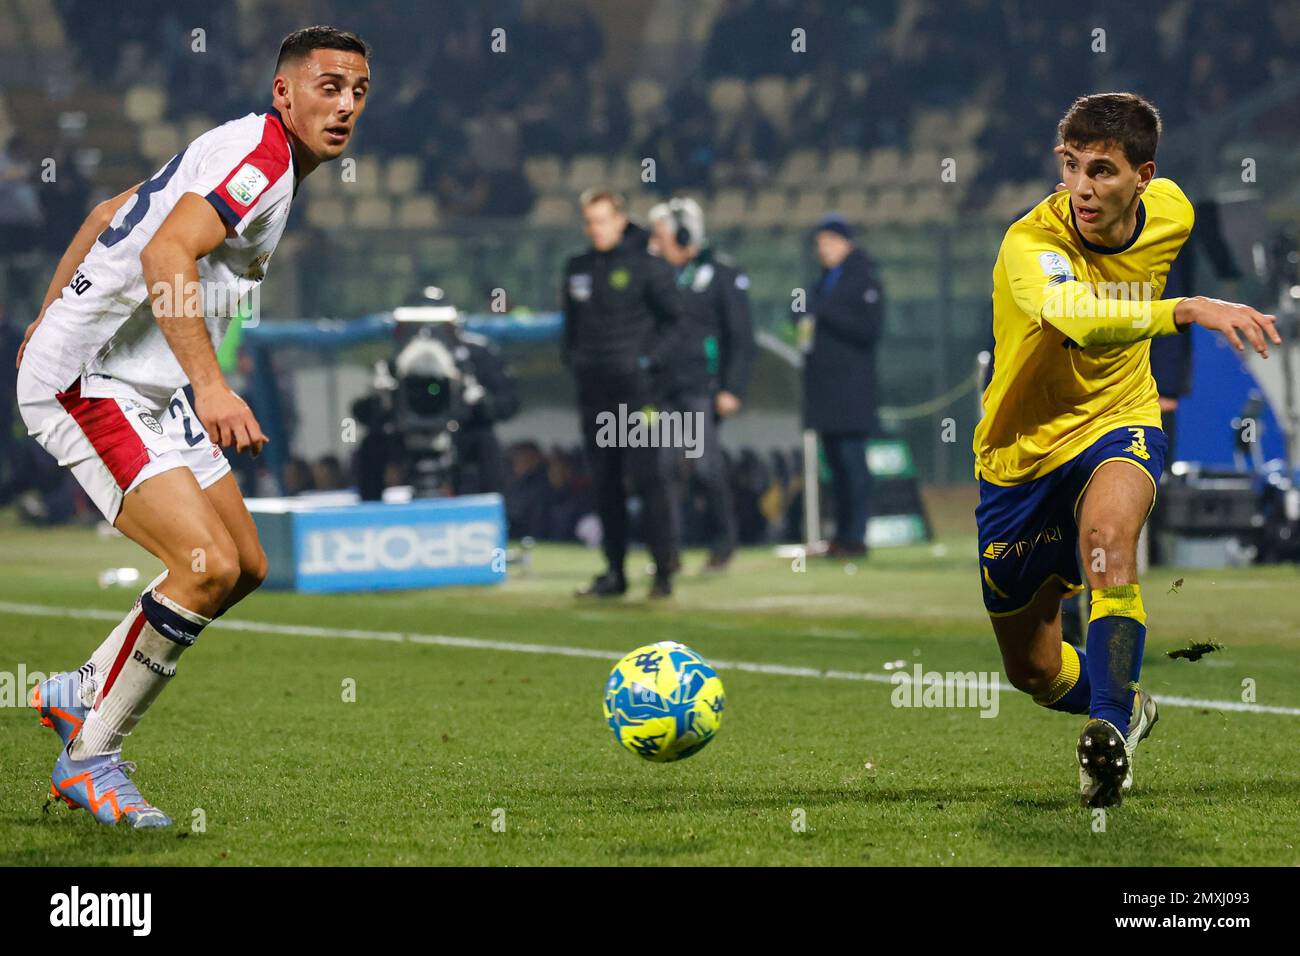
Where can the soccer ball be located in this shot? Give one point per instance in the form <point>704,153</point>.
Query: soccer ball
<point>664,702</point>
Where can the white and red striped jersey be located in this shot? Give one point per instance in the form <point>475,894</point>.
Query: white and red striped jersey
<point>102,329</point>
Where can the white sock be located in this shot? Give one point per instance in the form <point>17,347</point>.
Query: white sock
<point>101,661</point>
<point>158,631</point>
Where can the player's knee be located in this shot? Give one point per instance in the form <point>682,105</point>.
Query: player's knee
<point>218,572</point>
<point>1109,553</point>
<point>255,568</point>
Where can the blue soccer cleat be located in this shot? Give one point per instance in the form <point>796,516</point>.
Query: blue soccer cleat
<point>101,785</point>
<point>58,701</point>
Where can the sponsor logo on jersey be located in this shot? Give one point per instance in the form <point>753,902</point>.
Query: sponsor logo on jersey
<point>150,422</point>
<point>247,184</point>
<point>619,279</point>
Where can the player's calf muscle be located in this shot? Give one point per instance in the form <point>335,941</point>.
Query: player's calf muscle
<point>1030,642</point>
<point>226,500</point>
<point>1033,673</point>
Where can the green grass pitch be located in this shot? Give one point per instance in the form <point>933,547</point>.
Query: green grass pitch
<point>474,753</point>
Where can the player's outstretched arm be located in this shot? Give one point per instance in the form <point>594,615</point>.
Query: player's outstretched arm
<point>99,219</point>
<point>1232,320</point>
<point>170,262</point>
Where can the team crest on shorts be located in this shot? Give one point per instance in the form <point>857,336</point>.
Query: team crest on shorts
<point>151,423</point>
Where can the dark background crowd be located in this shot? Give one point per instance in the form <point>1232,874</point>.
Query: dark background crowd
<point>583,78</point>
<point>473,116</point>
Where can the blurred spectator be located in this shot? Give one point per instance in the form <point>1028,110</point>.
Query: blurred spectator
<point>839,335</point>
<point>20,204</point>
<point>298,477</point>
<point>529,495</point>
<point>64,203</point>
<point>11,336</point>
<point>327,474</point>
<point>474,112</point>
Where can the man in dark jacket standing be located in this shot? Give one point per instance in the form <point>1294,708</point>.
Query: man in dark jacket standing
<point>839,336</point>
<point>710,369</point>
<point>622,314</point>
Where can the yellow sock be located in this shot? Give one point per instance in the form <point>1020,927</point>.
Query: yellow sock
<point>1069,689</point>
<point>1119,600</point>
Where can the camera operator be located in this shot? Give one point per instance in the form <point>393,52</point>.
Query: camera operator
<point>434,408</point>
<point>491,396</point>
<point>622,313</point>
<point>711,367</point>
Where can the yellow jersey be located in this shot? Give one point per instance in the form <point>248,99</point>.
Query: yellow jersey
<point>1072,323</point>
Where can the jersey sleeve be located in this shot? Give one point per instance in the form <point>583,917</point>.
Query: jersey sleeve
<point>1042,281</point>
<point>235,174</point>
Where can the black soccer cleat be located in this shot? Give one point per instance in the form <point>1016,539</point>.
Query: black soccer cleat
<point>609,584</point>
<point>1103,764</point>
<point>662,587</point>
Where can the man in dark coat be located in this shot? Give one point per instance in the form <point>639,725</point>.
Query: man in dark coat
<point>622,315</point>
<point>839,335</point>
<point>710,369</point>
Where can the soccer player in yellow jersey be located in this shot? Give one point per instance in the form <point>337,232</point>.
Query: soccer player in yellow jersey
<point>1069,451</point>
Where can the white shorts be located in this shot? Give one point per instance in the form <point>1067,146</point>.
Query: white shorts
<point>114,444</point>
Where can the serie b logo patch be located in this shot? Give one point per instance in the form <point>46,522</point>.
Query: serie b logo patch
<point>247,184</point>
<point>1054,264</point>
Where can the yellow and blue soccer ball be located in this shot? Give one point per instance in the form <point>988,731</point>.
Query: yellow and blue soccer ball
<point>664,702</point>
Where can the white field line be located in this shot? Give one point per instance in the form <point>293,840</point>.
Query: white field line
<point>475,643</point>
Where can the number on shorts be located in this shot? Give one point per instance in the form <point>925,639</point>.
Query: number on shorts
<point>177,407</point>
<point>1139,445</point>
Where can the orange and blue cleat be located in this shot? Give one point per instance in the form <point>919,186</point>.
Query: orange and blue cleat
<point>58,701</point>
<point>101,785</point>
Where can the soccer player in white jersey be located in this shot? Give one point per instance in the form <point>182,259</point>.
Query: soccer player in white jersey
<point>127,336</point>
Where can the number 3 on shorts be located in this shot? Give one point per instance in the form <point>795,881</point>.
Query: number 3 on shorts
<point>1138,446</point>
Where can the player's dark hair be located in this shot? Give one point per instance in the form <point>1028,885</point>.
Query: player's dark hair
<point>299,43</point>
<point>1123,118</point>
